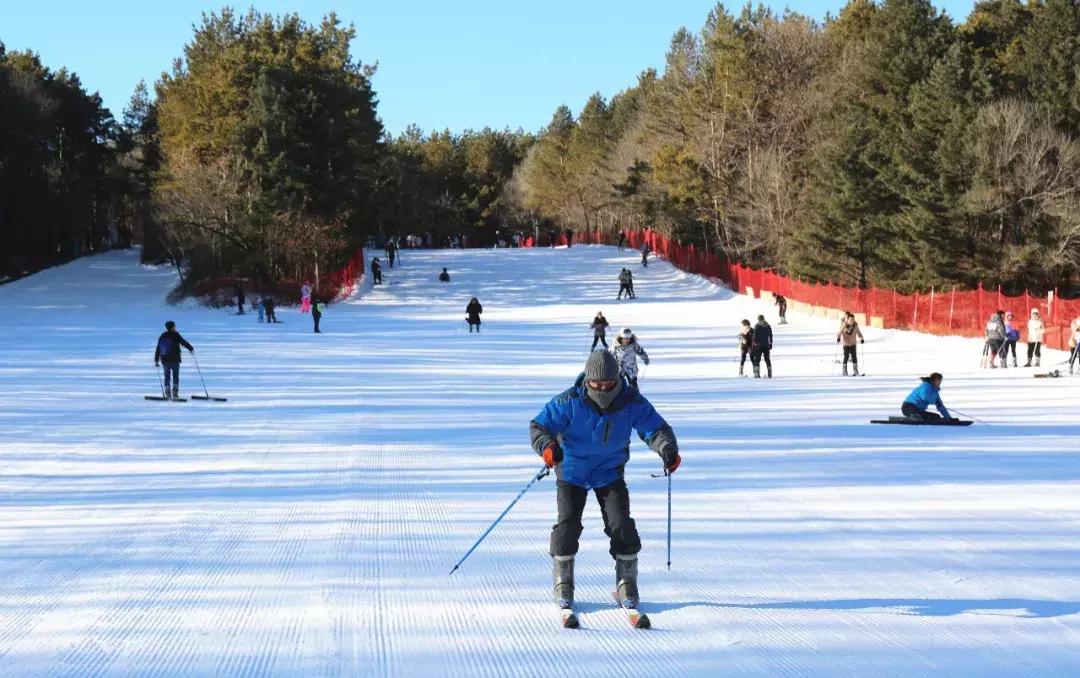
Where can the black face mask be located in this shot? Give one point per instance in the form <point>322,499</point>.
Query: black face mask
<point>604,398</point>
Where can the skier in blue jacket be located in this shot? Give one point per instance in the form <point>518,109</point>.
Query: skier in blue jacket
<point>584,433</point>
<point>925,394</point>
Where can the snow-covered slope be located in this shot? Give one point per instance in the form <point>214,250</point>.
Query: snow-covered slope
<point>306,527</point>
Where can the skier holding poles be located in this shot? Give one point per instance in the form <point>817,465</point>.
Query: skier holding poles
<point>167,353</point>
<point>746,335</point>
<point>584,434</point>
<point>851,335</point>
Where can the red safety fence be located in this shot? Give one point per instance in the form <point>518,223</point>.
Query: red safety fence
<point>334,285</point>
<point>942,312</point>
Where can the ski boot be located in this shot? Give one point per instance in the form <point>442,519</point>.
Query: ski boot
<point>1014,361</point>
<point>757,372</point>
<point>1027,364</point>
<point>176,394</point>
<point>1037,361</point>
<point>854,369</point>
<point>844,373</point>
<point>741,371</point>
<point>562,575</point>
<point>626,590</point>
<point>770,372</point>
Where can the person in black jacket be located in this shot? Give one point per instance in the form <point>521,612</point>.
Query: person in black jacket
<point>239,297</point>
<point>444,276</point>
<point>376,272</point>
<point>746,335</point>
<point>268,302</point>
<point>599,327</point>
<point>472,314</point>
<point>761,344</point>
<point>167,353</point>
<point>781,303</point>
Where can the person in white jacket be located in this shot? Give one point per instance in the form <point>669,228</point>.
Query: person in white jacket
<point>1036,330</point>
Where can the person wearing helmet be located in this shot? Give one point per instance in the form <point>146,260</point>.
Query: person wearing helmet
<point>627,350</point>
<point>584,434</point>
<point>1036,331</point>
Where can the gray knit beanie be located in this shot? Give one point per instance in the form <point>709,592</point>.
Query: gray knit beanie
<point>602,366</point>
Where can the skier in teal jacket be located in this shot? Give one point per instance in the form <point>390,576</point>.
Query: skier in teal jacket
<point>925,394</point>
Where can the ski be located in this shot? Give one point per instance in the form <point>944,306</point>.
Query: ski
<point>920,422</point>
<point>569,618</point>
<point>637,618</point>
<point>1049,375</point>
<point>166,400</point>
<point>210,398</point>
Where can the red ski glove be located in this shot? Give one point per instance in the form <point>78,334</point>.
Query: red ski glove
<point>552,454</point>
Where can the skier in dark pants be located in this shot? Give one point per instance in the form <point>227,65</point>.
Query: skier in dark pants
<point>239,298</point>
<point>645,249</point>
<point>622,240</point>
<point>925,394</point>
<point>781,303</point>
<point>472,314</point>
<point>599,327</point>
<point>746,336</point>
<point>391,251</point>
<point>376,272</point>
<point>624,284</point>
<point>566,434</point>
<point>316,314</point>
<point>268,301</point>
<point>850,334</point>
<point>167,353</point>
<point>569,238</point>
<point>761,344</point>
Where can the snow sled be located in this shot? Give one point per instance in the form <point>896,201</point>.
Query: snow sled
<point>1049,375</point>
<point>909,421</point>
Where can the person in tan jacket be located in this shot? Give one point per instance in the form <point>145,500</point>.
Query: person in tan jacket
<point>851,336</point>
<point>1036,332</point>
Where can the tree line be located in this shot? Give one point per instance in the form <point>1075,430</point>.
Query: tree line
<point>886,145</point>
<point>260,154</point>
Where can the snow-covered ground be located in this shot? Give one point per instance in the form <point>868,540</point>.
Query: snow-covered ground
<point>306,526</point>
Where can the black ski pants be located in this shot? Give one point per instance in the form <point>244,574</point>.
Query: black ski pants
<point>623,287</point>
<point>614,501</point>
<point>757,353</point>
<point>849,352</point>
<point>316,317</point>
<point>598,338</point>
<point>745,351</point>
<point>909,410</point>
<point>1005,347</point>
<point>1034,350</point>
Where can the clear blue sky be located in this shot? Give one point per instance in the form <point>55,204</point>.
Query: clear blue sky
<point>456,65</point>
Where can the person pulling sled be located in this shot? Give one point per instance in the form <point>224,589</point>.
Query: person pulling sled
<point>564,434</point>
<point>167,353</point>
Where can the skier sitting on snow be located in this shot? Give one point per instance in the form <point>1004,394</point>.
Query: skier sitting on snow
<point>566,434</point>
<point>849,333</point>
<point>167,353</point>
<point>626,350</point>
<point>925,394</point>
<point>444,276</point>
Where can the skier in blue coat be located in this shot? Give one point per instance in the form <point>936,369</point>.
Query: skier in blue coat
<point>925,394</point>
<point>584,433</point>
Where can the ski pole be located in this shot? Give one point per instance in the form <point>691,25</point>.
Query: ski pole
<point>661,475</point>
<point>544,472</point>
<point>160,382</point>
<point>200,375</point>
<point>972,417</point>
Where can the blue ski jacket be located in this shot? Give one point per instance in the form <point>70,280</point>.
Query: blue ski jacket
<point>595,443</point>
<point>926,395</point>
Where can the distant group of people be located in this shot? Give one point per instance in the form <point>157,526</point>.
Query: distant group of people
<point>1002,335</point>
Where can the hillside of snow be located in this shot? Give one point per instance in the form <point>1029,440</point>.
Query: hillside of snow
<point>306,526</point>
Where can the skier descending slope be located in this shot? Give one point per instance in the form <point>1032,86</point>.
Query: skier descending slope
<point>760,346</point>
<point>626,350</point>
<point>584,433</point>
